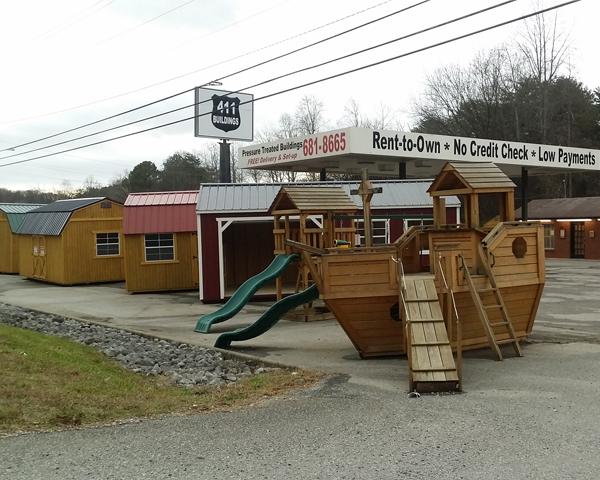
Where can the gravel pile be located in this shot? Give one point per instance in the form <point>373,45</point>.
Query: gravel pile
<point>187,365</point>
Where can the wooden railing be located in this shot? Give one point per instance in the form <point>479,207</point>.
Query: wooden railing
<point>449,291</point>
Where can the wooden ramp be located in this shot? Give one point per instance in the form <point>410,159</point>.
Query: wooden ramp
<point>431,364</point>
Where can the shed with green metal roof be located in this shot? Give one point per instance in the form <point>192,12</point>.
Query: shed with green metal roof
<point>11,216</point>
<point>71,242</point>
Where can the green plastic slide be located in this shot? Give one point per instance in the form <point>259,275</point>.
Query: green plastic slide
<point>243,294</point>
<point>269,318</point>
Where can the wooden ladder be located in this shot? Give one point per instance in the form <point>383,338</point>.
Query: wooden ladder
<point>430,360</point>
<point>482,309</point>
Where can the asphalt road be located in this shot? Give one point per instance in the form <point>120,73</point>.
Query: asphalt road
<point>536,417</point>
<point>525,418</point>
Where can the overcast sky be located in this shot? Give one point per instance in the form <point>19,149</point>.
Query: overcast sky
<point>64,60</point>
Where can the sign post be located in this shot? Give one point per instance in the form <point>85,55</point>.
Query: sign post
<point>224,162</point>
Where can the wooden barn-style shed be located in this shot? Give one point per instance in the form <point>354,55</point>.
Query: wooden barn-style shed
<point>161,242</point>
<point>11,216</point>
<point>71,242</point>
<point>235,228</point>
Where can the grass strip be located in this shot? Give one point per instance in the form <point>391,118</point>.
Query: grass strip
<point>48,382</point>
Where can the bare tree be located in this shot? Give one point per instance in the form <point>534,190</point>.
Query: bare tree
<point>352,115</point>
<point>309,116</point>
<point>545,50</point>
<point>470,101</point>
<point>285,129</point>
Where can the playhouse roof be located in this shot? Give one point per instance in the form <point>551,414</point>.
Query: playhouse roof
<point>458,178</point>
<point>552,208</point>
<point>311,200</point>
<point>160,212</point>
<point>51,219</point>
<point>15,213</point>
<point>257,198</point>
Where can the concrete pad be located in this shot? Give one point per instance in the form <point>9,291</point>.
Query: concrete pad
<point>569,311</point>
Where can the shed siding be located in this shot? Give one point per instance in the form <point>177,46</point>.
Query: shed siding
<point>70,258</point>
<point>9,247</point>
<point>210,257</point>
<point>562,246</point>
<point>181,274</point>
<point>53,270</point>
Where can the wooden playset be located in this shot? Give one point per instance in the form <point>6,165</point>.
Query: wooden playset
<point>438,288</point>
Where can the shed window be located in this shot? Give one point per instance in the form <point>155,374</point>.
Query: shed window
<point>107,244</point>
<point>159,246</point>
<point>549,237</point>
<point>380,228</point>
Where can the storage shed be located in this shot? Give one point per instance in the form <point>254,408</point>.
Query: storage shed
<point>72,242</point>
<point>571,226</point>
<point>11,216</point>
<point>236,230</point>
<point>161,242</point>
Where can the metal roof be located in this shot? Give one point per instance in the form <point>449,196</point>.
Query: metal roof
<point>237,197</point>
<point>44,223</point>
<point>51,219</point>
<point>160,212</point>
<point>69,205</point>
<point>189,197</point>
<point>15,212</point>
<point>551,208</point>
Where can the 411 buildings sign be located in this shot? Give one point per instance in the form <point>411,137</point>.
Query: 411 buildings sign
<point>223,114</point>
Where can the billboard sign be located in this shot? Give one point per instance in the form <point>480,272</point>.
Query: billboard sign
<point>353,147</point>
<point>223,114</point>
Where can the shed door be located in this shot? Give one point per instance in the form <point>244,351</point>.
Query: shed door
<point>39,256</point>
<point>195,266</point>
<point>577,240</point>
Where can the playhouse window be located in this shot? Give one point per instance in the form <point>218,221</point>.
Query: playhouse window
<point>107,244</point>
<point>381,231</point>
<point>159,247</point>
<point>549,237</point>
<point>409,222</point>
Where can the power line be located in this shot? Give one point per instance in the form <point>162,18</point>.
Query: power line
<point>232,24</point>
<point>270,80</point>
<point>177,77</point>
<point>110,117</point>
<point>83,14</point>
<point>314,82</point>
<point>146,22</point>
<point>245,69</point>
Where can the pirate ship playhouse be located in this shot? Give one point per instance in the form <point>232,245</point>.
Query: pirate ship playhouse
<point>438,288</point>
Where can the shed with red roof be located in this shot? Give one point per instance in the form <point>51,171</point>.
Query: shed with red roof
<point>161,241</point>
